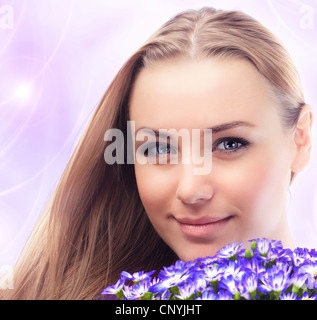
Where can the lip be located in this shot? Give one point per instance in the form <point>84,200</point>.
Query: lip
<point>203,227</point>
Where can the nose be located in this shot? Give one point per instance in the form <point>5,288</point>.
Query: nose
<point>194,189</point>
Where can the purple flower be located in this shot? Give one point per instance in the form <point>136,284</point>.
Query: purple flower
<point>307,297</point>
<point>214,273</point>
<point>137,291</point>
<point>272,256</point>
<point>313,254</point>
<point>250,283</point>
<point>235,269</point>
<point>285,256</point>
<point>176,278</point>
<point>116,288</point>
<point>300,256</point>
<point>208,295</point>
<point>267,272</point>
<point>224,295</point>
<point>200,284</point>
<point>178,267</point>
<point>229,251</point>
<point>274,281</point>
<point>263,246</point>
<point>232,285</point>
<point>276,244</point>
<point>207,261</point>
<point>137,276</point>
<point>185,292</point>
<point>254,266</point>
<point>127,292</point>
<point>288,296</point>
<point>298,280</point>
<point>311,270</point>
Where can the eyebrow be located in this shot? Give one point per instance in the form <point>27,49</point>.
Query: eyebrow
<point>215,129</point>
<point>230,125</point>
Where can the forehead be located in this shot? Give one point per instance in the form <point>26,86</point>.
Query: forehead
<point>181,93</point>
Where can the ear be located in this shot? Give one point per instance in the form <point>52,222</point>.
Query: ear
<point>302,139</point>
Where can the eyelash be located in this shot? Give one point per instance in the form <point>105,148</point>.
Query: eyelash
<point>243,143</point>
<point>156,145</point>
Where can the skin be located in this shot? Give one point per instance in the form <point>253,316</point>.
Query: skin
<point>247,187</point>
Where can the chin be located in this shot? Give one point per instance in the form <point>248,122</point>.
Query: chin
<point>198,251</point>
<point>190,251</point>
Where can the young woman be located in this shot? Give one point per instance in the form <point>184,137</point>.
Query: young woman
<point>203,69</point>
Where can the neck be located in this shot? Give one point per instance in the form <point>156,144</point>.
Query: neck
<point>282,232</point>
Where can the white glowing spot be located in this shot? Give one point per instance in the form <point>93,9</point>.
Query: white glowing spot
<point>23,92</point>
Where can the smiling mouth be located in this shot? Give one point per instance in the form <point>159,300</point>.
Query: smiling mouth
<point>203,227</point>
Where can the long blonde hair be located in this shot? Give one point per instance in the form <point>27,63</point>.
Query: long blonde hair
<point>95,225</point>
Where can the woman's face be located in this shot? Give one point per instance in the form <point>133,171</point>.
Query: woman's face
<point>244,194</point>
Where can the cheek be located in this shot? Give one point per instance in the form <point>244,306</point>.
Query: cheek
<point>257,186</point>
<point>156,190</point>
<point>262,189</point>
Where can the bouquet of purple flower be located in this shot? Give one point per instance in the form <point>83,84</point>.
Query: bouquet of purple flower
<point>266,271</point>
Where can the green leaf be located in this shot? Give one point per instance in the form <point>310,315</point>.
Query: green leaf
<point>147,296</point>
<point>174,290</point>
<point>236,296</point>
<point>119,294</point>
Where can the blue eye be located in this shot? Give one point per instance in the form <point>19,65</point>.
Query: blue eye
<point>157,148</point>
<point>162,148</point>
<point>231,144</point>
<point>159,152</point>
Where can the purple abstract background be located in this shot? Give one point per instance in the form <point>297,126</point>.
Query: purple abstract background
<point>57,58</point>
